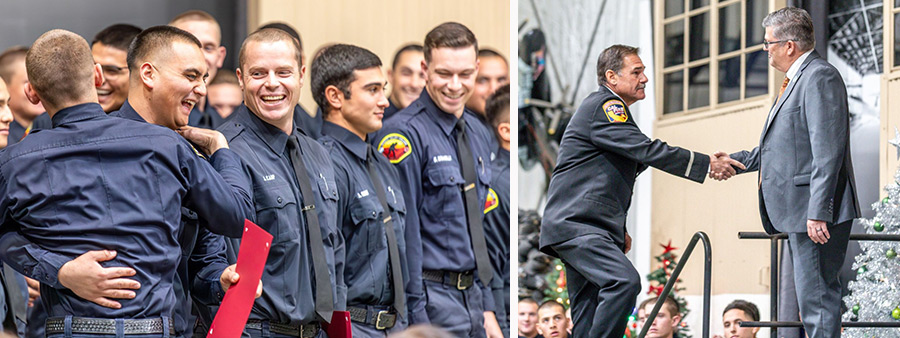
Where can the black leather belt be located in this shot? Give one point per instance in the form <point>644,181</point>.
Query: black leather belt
<point>57,325</point>
<point>381,319</point>
<point>304,331</point>
<point>460,280</point>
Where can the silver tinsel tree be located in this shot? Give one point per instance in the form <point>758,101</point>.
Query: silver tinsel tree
<point>875,295</point>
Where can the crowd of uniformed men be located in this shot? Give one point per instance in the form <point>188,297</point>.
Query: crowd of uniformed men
<point>128,176</point>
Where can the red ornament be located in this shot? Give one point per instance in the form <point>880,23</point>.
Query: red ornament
<point>561,281</point>
<point>655,289</point>
<point>668,247</point>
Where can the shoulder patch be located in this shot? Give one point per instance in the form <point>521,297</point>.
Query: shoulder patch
<point>395,147</point>
<point>196,151</point>
<point>491,202</point>
<point>615,111</point>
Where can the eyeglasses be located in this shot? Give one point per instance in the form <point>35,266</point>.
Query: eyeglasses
<point>767,43</point>
<point>112,72</point>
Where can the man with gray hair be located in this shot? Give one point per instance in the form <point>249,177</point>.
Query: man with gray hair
<point>806,184</point>
<point>600,156</point>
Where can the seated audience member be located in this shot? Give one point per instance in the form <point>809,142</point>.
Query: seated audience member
<point>110,50</point>
<point>735,313</point>
<point>667,320</point>
<point>528,318</point>
<point>552,320</point>
<point>224,93</point>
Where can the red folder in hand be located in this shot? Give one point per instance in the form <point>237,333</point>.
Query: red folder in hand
<point>232,315</point>
<point>339,326</point>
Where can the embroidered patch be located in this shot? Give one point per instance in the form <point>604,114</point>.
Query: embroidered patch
<point>196,152</point>
<point>491,202</point>
<point>395,147</point>
<point>615,111</point>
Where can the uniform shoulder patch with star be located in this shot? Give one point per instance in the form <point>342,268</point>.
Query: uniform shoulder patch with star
<point>615,111</point>
<point>491,202</point>
<point>395,147</point>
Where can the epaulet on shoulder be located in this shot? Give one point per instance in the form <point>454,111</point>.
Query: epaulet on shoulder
<point>231,129</point>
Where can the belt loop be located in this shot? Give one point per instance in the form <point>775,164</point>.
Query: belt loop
<point>264,329</point>
<point>120,328</point>
<point>67,328</point>
<point>165,328</point>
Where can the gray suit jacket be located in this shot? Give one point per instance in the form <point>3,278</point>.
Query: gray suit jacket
<point>804,153</point>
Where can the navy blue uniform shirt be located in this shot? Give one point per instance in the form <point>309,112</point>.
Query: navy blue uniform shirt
<point>288,279</point>
<point>496,223</point>
<point>202,257</point>
<point>17,131</point>
<point>390,111</point>
<point>367,271</point>
<point>421,141</point>
<point>209,118</point>
<point>99,182</point>
<point>311,125</point>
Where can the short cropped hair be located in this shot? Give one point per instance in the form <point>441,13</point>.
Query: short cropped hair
<point>8,58</point>
<point>528,300</point>
<point>488,53</point>
<point>334,66</point>
<point>670,303</point>
<point>60,67</point>
<point>226,77</point>
<point>449,35</point>
<point>194,15</point>
<point>496,108</point>
<point>154,40</point>
<point>792,23</point>
<point>268,35</point>
<point>413,47</point>
<point>613,58</point>
<point>749,308</point>
<point>551,303</point>
<point>118,36</point>
<point>287,29</point>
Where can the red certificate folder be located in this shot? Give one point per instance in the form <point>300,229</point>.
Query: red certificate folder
<point>239,298</point>
<point>339,326</point>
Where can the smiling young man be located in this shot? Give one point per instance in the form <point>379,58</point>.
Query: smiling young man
<point>110,50</point>
<point>347,82</point>
<point>295,193</point>
<point>441,151</point>
<point>406,78</point>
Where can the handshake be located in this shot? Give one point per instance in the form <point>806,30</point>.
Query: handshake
<point>722,167</point>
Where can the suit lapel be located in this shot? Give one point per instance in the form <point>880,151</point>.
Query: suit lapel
<point>787,92</point>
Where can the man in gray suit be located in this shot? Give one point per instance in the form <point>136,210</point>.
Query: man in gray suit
<point>806,186</point>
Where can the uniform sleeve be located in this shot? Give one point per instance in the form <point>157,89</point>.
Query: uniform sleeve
<point>340,249</point>
<point>220,192</point>
<point>410,173</point>
<point>612,131</point>
<point>827,116</point>
<point>30,259</point>
<point>205,266</point>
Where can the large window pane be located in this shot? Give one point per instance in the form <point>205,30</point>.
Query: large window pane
<point>699,35</point>
<point>698,3</point>
<point>756,11</point>
<point>757,73</point>
<point>674,49</point>
<point>673,92</point>
<point>698,87</point>
<point>730,79</point>
<point>897,39</point>
<point>730,28</point>
<point>674,7</point>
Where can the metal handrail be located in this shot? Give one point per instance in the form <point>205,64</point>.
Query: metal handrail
<point>707,283</point>
<point>773,300</point>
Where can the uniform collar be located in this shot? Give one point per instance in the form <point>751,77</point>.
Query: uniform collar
<point>274,138</point>
<point>347,139</point>
<point>795,67</point>
<point>445,120</point>
<point>614,93</point>
<point>128,112</point>
<point>77,113</point>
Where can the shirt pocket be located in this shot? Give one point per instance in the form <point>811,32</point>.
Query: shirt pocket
<point>273,205</point>
<point>366,215</point>
<point>443,198</point>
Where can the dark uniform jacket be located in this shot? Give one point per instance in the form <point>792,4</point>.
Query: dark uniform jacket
<point>99,182</point>
<point>496,227</point>
<point>289,277</point>
<point>601,154</point>
<point>420,140</point>
<point>367,269</point>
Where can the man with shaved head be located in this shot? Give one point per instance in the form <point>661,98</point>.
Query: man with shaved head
<point>117,188</point>
<point>208,31</point>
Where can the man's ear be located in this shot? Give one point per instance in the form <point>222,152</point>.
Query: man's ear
<point>425,68</point>
<point>237,72</point>
<point>98,75</point>
<point>148,75</point>
<point>302,72</point>
<point>334,97</point>
<point>222,53</point>
<point>31,94</point>
<point>504,131</point>
<point>611,77</point>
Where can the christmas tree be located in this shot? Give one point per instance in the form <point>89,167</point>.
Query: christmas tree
<point>658,279</point>
<point>556,281</point>
<point>875,294</point>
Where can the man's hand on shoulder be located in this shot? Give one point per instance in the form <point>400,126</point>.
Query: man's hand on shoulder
<point>208,140</point>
